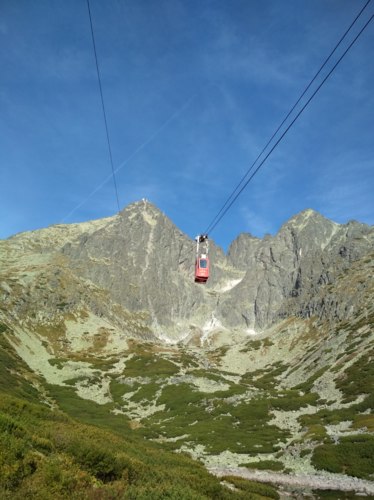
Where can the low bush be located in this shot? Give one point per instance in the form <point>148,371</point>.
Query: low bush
<point>358,378</point>
<point>45,454</point>
<point>353,455</point>
<point>264,490</point>
<point>364,421</point>
<point>148,365</point>
<point>292,400</point>
<point>265,465</point>
<point>316,432</point>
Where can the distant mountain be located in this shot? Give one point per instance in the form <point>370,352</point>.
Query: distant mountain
<point>136,270</point>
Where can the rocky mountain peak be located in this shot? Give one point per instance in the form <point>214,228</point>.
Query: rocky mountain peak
<point>144,265</point>
<point>306,216</point>
<point>143,208</point>
<point>310,230</point>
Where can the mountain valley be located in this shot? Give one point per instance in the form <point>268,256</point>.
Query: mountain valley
<point>268,368</point>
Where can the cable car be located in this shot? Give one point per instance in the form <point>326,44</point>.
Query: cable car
<point>202,259</point>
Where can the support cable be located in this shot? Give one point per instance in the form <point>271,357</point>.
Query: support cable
<point>103,107</point>
<point>236,189</point>
<point>212,227</point>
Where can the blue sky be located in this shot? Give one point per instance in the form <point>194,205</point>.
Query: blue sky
<point>193,90</point>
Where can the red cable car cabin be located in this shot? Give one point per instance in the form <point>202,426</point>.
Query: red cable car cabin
<point>201,269</point>
<point>202,260</point>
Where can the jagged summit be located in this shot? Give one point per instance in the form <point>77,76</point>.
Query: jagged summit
<point>307,219</point>
<point>143,206</point>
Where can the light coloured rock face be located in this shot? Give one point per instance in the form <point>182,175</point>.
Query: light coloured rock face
<point>134,273</point>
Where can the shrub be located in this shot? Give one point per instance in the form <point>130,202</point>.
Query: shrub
<point>11,426</point>
<point>292,400</point>
<point>265,465</point>
<point>353,455</point>
<point>316,432</point>
<point>3,328</point>
<point>358,378</point>
<point>249,487</point>
<point>366,421</point>
<point>99,462</point>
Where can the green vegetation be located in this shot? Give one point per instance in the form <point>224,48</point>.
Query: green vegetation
<point>148,365</point>
<point>12,369</point>
<point>119,389</point>
<point>187,360</point>
<point>265,465</point>
<point>352,413</point>
<point>58,362</point>
<point>93,453</point>
<point>254,345</point>
<point>316,432</point>
<point>364,421</point>
<point>3,328</point>
<point>81,449</point>
<point>265,379</point>
<point>45,453</point>
<point>358,378</point>
<point>353,455</point>
<point>215,423</point>
<point>88,411</point>
<point>292,399</point>
<point>336,495</point>
<point>210,374</point>
<point>252,489</point>
<point>95,362</point>
<point>147,392</point>
<point>308,384</point>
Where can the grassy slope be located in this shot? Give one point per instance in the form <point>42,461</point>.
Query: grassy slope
<point>48,454</point>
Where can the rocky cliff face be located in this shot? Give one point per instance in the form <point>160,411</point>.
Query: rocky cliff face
<point>147,265</point>
<point>289,274</point>
<point>135,270</point>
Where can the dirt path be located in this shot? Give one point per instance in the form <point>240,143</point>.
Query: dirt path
<point>331,482</point>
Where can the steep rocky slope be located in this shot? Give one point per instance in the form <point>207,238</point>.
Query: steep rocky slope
<point>143,265</point>
<point>286,274</point>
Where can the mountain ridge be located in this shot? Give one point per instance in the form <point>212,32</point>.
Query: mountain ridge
<point>145,264</point>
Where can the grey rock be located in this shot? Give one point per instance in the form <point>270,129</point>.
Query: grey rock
<point>285,273</point>
<point>140,263</point>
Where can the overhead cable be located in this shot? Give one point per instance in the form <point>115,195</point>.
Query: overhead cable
<point>143,145</point>
<point>103,107</point>
<point>236,189</point>
<point>212,226</point>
